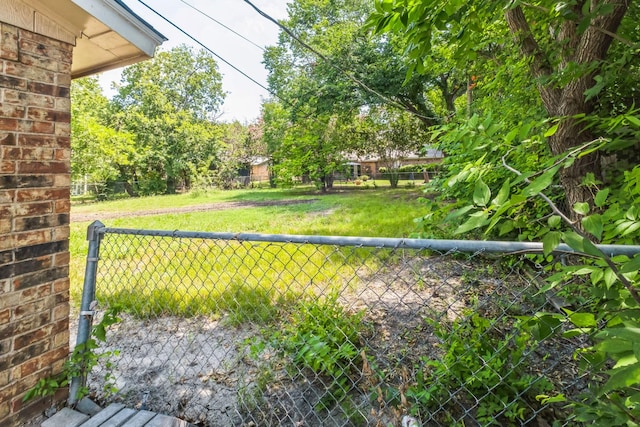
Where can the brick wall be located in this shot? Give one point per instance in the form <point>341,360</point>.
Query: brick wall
<point>34,216</point>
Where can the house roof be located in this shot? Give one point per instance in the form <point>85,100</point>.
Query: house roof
<point>112,36</point>
<point>106,33</point>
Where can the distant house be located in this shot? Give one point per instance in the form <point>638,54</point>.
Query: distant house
<point>370,165</point>
<point>44,44</point>
<point>259,169</point>
<point>358,165</point>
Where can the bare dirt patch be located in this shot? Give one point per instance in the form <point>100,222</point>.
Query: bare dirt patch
<point>80,217</point>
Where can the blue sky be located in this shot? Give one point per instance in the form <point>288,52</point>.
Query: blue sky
<point>244,97</point>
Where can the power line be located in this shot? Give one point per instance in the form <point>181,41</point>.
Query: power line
<point>207,48</point>
<point>331,64</point>
<point>221,24</point>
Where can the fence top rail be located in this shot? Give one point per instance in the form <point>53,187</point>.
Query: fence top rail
<point>441,245</point>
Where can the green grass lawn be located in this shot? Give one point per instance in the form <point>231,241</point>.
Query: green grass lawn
<point>370,213</point>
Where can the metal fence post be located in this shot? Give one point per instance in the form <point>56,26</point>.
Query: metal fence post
<point>86,306</point>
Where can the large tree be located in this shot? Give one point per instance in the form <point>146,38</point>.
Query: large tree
<point>169,104</point>
<point>96,148</point>
<point>565,44</point>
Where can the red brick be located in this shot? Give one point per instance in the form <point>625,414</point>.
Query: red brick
<point>34,293</point>
<point>39,222</point>
<point>4,413</point>
<point>63,154</point>
<point>29,167</point>
<point>10,152</point>
<point>6,243</point>
<point>5,225</point>
<point>13,111</point>
<point>61,259</point>
<point>39,62</point>
<point>29,367</point>
<point>22,326</point>
<point>39,277</point>
<point>8,42</point>
<point>4,379</point>
<point>64,141</point>
<point>7,138</point>
<point>13,82</point>
<point>62,129</point>
<point>32,337</point>
<point>48,89</point>
<point>63,79</point>
<point>37,153</point>
<point>48,359</point>
<point>32,209</point>
<point>62,180</point>
<point>62,104</point>
<point>17,69</point>
<point>7,196</point>
<point>61,312</point>
<point>37,127</point>
<point>31,238</point>
<point>62,297</point>
<point>45,50</point>
<point>61,339</point>
<point>62,206</point>
<point>39,38</point>
<point>8,392</point>
<point>26,98</point>
<point>32,195</point>
<point>37,141</point>
<point>9,124</point>
<point>26,412</point>
<point>42,114</point>
<point>61,233</point>
<point>33,307</point>
<point>61,285</point>
<point>7,166</point>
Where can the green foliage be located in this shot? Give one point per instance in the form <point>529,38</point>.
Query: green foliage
<point>158,130</point>
<point>322,337</point>
<point>488,367</point>
<point>82,360</point>
<point>610,319</point>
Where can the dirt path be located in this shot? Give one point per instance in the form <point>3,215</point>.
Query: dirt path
<point>80,217</point>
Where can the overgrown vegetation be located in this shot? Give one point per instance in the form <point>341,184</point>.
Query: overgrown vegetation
<point>542,146</point>
<point>322,337</point>
<point>82,360</point>
<point>485,359</point>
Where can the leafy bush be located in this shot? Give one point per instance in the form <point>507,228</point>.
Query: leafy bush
<point>610,319</point>
<point>322,337</point>
<point>488,367</point>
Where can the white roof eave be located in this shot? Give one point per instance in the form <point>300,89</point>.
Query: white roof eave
<point>122,20</point>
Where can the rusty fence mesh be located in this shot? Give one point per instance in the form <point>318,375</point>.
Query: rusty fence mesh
<point>276,332</point>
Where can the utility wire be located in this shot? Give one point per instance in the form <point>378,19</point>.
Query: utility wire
<point>331,64</point>
<point>207,49</point>
<point>222,25</point>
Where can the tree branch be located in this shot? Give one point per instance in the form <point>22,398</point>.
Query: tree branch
<point>632,290</point>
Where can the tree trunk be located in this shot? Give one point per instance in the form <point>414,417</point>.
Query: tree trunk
<point>566,102</point>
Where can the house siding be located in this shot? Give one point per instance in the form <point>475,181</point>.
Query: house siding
<point>35,77</point>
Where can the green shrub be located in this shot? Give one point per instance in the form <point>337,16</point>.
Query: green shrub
<point>485,366</point>
<point>322,337</point>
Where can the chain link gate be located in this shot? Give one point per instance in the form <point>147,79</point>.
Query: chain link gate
<point>227,329</point>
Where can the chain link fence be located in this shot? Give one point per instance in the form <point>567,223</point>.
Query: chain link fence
<point>223,329</point>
